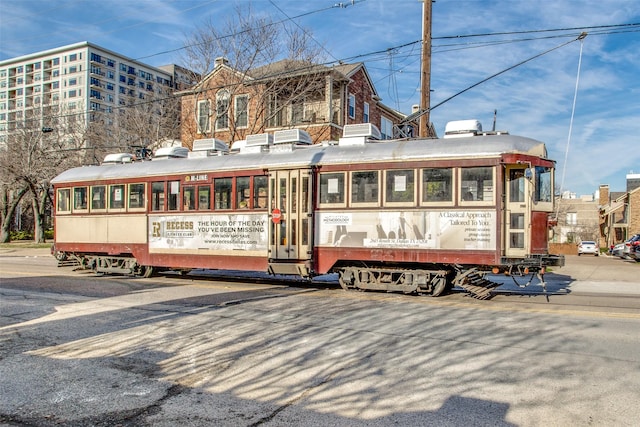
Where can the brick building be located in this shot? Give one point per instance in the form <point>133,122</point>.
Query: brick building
<point>620,212</point>
<point>577,219</point>
<point>229,104</point>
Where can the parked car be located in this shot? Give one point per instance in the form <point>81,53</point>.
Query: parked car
<point>588,247</point>
<point>630,247</point>
<point>618,250</point>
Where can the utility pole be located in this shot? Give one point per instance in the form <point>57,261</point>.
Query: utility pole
<point>425,74</point>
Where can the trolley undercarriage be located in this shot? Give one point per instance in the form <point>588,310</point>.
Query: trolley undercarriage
<point>433,280</point>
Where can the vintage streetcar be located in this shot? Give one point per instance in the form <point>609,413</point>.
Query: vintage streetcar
<point>415,216</point>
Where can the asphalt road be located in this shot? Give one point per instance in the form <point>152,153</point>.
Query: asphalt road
<point>81,350</point>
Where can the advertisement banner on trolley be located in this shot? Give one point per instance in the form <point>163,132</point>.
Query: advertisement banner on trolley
<point>463,229</point>
<point>223,232</point>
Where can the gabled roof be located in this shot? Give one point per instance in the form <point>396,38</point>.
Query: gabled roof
<point>294,68</point>
<point>220,67</point>
<point>350,69</point>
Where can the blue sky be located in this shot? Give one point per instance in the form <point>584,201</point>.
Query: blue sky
<point>535,99</point>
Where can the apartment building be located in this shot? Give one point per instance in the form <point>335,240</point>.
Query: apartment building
<point>74,81</point>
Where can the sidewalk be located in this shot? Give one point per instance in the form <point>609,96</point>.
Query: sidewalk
<point>24,249</point>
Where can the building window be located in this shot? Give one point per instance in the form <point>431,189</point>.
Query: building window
<point>365,117</point>
<point>352,106</point>
<point>241,109</point>
<point>204,113</point>
<point>222,109</point>
<point>274,112</point>
<point>386,128</point>
<point>297,111</point>
<point>572,218</point>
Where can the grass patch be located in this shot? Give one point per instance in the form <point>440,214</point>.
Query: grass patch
<point>24,244</point>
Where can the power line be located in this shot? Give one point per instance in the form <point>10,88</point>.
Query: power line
<point>623,28</point>
<point>303,30</point>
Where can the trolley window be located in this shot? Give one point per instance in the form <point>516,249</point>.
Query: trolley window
<point>365,188</point>
<point>157,196</point>
<point>400,187</point>
<point>80,198</point>
<point>116,196</point>
<point>437,185</point>
<point>204,198</point>
<point>260,192</point>
<point>476,185</point>
<point>136,196</point>
<point>174,196</point>
<point>64,200</point>
<point>543,184</point>
<point>243,194</point>
<point>222,193</point>
<point>189,197</point>
<point>516,185</point>
<point>332,189</point>
<point>98,198</point>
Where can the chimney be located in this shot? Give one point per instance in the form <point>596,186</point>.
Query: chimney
<point>603,196</point>
<point>221,60</point>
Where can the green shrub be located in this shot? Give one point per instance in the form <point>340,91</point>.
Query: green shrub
<point>21,235</point>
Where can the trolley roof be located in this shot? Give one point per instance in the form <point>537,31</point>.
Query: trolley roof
<point>482,146</point>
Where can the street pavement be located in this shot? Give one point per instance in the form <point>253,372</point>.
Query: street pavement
<point>175,355</point>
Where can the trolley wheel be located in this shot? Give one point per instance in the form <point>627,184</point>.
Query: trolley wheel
<point>146,271</point>
<point>440,285</point>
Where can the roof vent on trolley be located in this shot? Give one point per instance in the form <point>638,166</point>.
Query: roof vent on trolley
<point>118,158</point>
<point>359,134</point>
<point>208,147</point>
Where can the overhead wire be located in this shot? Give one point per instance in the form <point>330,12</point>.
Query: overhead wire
<point>573,110</point>
<point>635,27</point>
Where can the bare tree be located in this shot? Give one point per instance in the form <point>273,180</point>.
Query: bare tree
<point>32,156</point>
<point>142,123</point>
